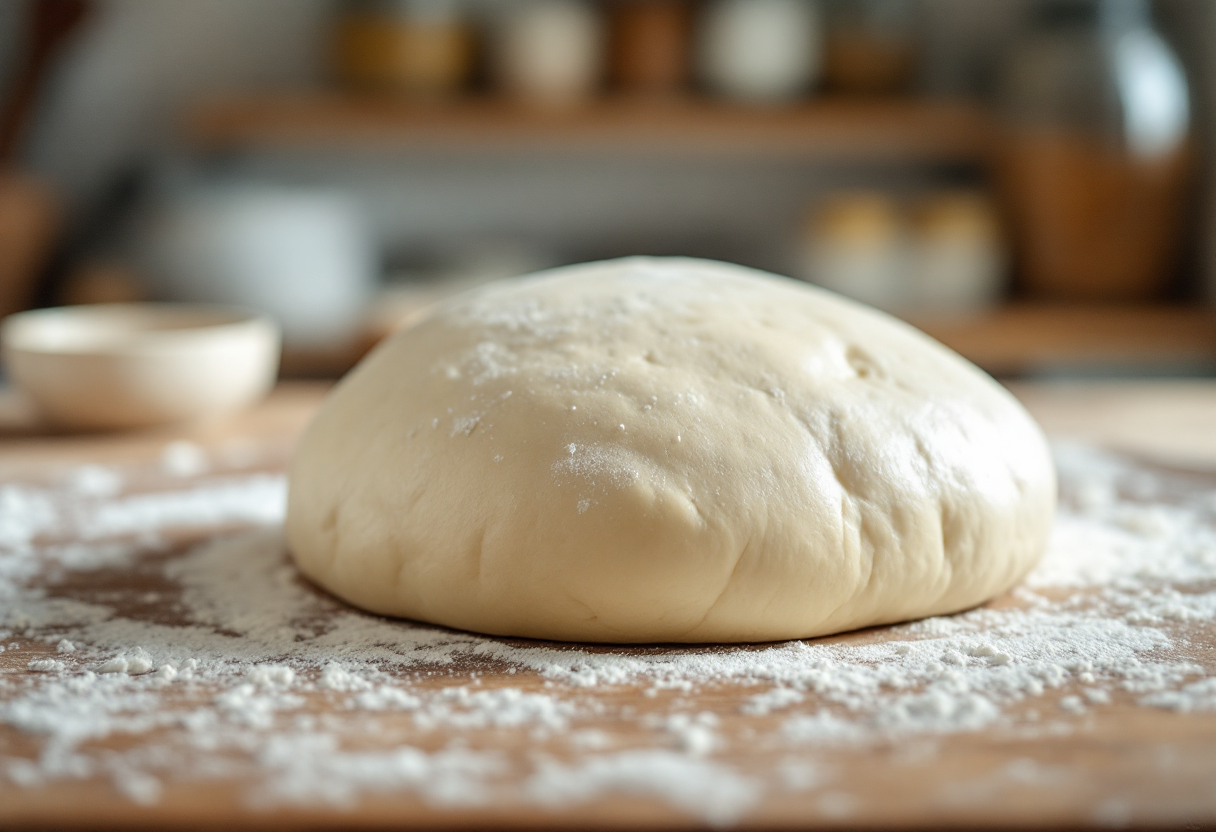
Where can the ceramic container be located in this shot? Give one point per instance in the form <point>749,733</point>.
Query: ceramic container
<point>760,50</point>
<point>303,255</point>
<point>550,52</point>
<point>958,254</point>
<point>856,244</point>
<point>123,366</point>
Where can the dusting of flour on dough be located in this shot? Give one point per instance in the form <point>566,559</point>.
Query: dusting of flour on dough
<point>593,470</point>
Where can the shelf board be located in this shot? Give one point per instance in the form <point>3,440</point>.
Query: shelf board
<point>1025,338</point>
<point>1014,340</point>
<point>884,130</point>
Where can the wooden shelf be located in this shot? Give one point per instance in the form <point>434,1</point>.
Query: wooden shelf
<point>892,130</point>
<point>1027,338</point>
<point>1015,340</point>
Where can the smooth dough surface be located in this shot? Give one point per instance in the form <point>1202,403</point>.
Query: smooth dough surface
<point>667,450</point>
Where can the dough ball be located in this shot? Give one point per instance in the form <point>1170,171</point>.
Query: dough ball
<point>667,450</point>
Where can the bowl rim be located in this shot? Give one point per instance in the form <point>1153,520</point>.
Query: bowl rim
<point>20,332</point>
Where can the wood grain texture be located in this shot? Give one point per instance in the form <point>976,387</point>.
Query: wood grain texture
<point>1117,765</point>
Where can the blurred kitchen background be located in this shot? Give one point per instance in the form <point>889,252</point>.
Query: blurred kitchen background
<point>1030,181</point>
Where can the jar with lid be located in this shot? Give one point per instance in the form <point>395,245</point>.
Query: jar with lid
<point>1097,154</point>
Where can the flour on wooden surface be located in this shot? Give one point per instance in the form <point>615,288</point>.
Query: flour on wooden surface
<point>218,661</point>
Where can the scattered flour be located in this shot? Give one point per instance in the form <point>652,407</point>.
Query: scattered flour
<point>184,459</point>
<point>700,787</point>
<point>219,661</point>
<point>95,481</point>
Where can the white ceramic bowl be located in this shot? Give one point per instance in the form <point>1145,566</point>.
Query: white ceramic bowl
<point>120,366</point>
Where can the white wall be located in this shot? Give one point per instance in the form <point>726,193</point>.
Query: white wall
<point>123,83</point>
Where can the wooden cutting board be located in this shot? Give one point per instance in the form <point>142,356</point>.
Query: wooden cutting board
<point>1117,764</point>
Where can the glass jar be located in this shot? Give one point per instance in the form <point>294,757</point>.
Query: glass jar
<point>871,46</point>
<point>418,47</point>
<point>1097,154</point>
<point>650,45</point>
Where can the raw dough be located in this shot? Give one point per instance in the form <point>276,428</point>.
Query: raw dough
<point>651,450</point>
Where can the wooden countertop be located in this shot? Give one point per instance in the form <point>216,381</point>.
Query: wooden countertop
<point>1121,764</point>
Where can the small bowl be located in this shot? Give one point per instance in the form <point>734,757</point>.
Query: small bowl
<point>116,366</point>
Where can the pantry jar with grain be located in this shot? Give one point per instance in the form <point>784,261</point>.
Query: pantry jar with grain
<point>1097,155</point>
<point>650,42</point>
<point>415,47</point>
